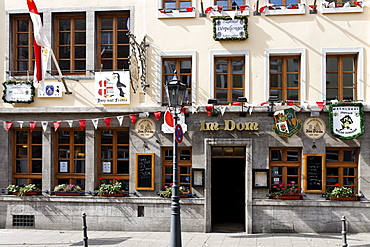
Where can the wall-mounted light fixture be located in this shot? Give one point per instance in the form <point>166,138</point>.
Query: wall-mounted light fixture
<point>242,100</point>
<point>274,97</point>
<point>314,147</point>
<point>211,111</point>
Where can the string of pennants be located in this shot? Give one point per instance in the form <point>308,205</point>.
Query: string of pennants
<point>157,114</point>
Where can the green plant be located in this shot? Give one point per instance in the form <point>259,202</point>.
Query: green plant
<point>109,188</point>
<point>342,191</point>
<point>280,190</point>
<point>167,190</point>
<point>67,188</point>
<point>27,188</point>
<point>13,188</point>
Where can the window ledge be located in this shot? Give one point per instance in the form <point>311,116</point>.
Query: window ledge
<point>163,14</point>
<point>230,13</point>
<point>301,10</point>
<point>344,9</point>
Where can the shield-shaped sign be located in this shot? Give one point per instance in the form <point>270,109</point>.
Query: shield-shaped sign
<point>346,120</point>
<point>286,123</point>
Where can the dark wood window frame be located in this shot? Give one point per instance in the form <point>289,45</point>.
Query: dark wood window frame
<point>229,79</point>
<point>284,74</point>
<point>73,45</point>
<point>285,164</point>
<point>117,33</point>
<point>341,165</point>
<point>177,4</point>
<point>184,163</point>
<point>340,72</point>
<point>229,5</point>
<point>30,155</point>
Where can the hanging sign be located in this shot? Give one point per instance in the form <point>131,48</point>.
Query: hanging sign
<point>226,28</point>
<point>286,123</point>
<point>346,120</point>
<point>51,90</point>
<point>112,87</point>
<point>18,92</point>
<point>145,128</point>
<point>314,127</point>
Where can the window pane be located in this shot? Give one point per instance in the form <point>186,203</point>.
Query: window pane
<point>292,171</point>
<point>293,181</point>
<point>64,65</point>
<point>185,66</point>
<point>221,66</point>
<point>22,39</point>
<point>80,182</point>
<point>64,38</point>
<point>169,67</point>
<point>348,94</point>
<point>107,39</point>
<point>36,151</point>
<point>331,180</point>
<point>277,171</point>
<point>221,81</point>
<point>123,153</point>
<point>332,155</point>
<point>275,65</point>
<point>332,80</point>
<point>79,137</point>
<point>80,38</point>
<point>216,151</point>
<point>184,5</point>
<point>64,152</point>
<point>239,151</point>
<point>36,166</point>
<point>292,80</point>
<point>292,65</point>
<point>221,96</point>
<point>64,52</point>
<point>123,51</point>
<point>348,64</point>
<point>185,154</point>
<point>123,167</point>
<point>64,24</point>
<point>123,64</point>
<point>348,80</point>
<point>276,155</point>
<point>275,80</point>
<point>331,94</point>
<point>23,53</point>
<point>63,137</point>
<point>292,155</point>
<point>122,137</point>
<point>123,23</point>
<point>79,152</point>
<point>332,64</point>
<point>80,24</point>
<point>236,94</point>
<point>348,181</point>
<point>21,166</point>
<point>332,171</point>
<point>238,66</point>
<point>184,169</point>
<point>23,25</point>
<point>123,38</point>
<point>349,171</point>
<point>184,179</point>
<point>106,137</point>
<point>22,65</point>
<point>238,81</point>
<point>168,179</point>
<point>170,5</point>
<point>21,151</point>
<point>292,94</point>
<point>349,155</point>
<point>106,152</point>
<point>106,23</point>
<point>79,166</point>
<point>80,65</point>
<point>168,170</point>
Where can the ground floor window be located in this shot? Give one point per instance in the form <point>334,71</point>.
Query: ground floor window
<point>27,153</point>
<point>285,167</point>
<point>341,168</point>
<point>185,166</point>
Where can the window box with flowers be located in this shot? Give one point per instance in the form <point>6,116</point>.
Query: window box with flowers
<point>25,190</point>
<point>68,190</point>
<point>331,7</point>
<point>342,193</point>
<point>111,189</point>
<point>167,191</point>
<point>291,192</point>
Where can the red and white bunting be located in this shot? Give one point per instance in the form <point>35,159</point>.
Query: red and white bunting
<point>95,122</point>
<point>8,124</point>
<point>133,118</point>
<point>56,125</point>
<point>82,124</point>
<point>32,126</point>
<point>157,115</point>
<point>20,124</point>
<point>107,122</point>
<point>120,120</point>
<point>44,125</point>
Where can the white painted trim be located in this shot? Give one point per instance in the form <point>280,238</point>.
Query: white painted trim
<point>172,14</point>
<point>230,53</point>
<point>360,68</point>
<point>303,68</point>
<point>177,54</point>
<point>300,11</point>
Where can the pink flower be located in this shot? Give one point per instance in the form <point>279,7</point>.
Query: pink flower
<point>292,182</point>
<point>274,187</point>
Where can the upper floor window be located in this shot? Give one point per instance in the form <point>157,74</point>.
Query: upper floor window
<point>23,61</point>
<point>113,43</point>
<point>182,68</point>
<point>229,4</point>
<point>285,77</point>
<point>70,43</point>
<point>341,77</point>
<point>27,163</point>
<point>229,79</point>
<point>177,4</point>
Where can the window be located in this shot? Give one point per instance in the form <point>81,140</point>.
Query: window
<point>184,162</point>
<point>341,77</point>
<point>285,166</point>
<point>70,167</point>
<point>285,3</point>
<point>285,77</point>
<point>114,157</point>
<point>177,4</point>
<point>182,66</point>
<point>70,43</point>
<point>229,79</point>
<point>113,42</point>
<point>23,45</point>
<point>229,4</point>
<point>27,162</point>
<point>341,167</point>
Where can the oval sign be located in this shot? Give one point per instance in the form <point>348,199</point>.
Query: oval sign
<point>178,133</point>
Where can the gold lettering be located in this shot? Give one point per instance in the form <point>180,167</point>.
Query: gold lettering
<point>212,126</point>
<point>229,125</point>
<point>240,126</point>
<point>247,125</point>
<point>254,126</point>
<point>202,126</point>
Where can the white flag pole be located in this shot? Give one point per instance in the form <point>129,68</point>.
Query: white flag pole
<point>61,77</point>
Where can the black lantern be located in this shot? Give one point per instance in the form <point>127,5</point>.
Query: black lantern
<point>175,92</point>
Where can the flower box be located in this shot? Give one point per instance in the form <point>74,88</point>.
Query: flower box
<point>67,193</point>
<point>119,194</point>
<point>343,198</point>
<point>34,193</point>
<point>293,197</point>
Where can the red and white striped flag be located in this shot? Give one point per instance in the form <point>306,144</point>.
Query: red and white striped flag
<point>41,45</point>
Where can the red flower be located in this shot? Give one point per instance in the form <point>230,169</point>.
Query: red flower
<point>352,185</point>
<point>100,178</point>
<point>110,181</point>
<point>337,184</point>
<point>118,179</point>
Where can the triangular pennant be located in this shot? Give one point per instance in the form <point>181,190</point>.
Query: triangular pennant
<point>70,123</point>
<point>250,109</point>
<point>20,124</point>
<point>107,121</point>
<point>184,109</point>
<point>157,115</point>
<point>44,125</point>
<point>120,120</point>
<point>144,114</point>
<point>32,126</point>
<point>8,124</point>
<point>95,122</point>
<point>223,108</point>
<point>82,124</point>
<point>56,125</point>
<point>320,105</point>
<point>209,109</point>
<point>133,118</point>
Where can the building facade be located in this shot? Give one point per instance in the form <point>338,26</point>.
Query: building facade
<point>276,99</point>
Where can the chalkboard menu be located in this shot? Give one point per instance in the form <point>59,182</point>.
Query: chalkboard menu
<point>145,171</point>
<point>314,173</point>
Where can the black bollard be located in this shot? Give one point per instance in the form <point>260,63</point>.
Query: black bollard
<point>344,232</point>
<point>84,227</point>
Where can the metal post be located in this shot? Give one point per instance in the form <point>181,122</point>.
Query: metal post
<point>344,232</point>
<point>84,227</point>
<point>175,198</point>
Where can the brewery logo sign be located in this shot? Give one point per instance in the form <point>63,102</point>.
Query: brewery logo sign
<point>286,123</point>
<point>346,120</point>
<point>314,127</point>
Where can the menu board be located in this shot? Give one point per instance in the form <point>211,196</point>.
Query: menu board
<point>145,171</point>
<point>314,173</point>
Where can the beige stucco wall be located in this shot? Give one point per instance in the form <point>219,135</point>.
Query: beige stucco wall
<point>308,32</point>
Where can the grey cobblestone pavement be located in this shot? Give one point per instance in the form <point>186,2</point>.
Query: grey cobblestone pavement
<point>39,238</point>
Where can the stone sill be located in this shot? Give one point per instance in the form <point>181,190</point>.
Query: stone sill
<point>310,203</point>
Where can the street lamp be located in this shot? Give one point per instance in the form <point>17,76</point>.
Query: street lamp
<point>175,92</point>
